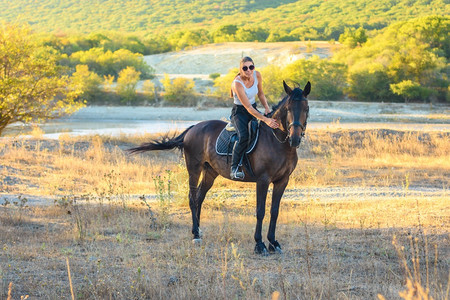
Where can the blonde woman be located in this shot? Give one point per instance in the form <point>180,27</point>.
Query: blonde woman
<point>244,89</point>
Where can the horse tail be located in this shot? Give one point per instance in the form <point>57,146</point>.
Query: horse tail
<point>165,143</point>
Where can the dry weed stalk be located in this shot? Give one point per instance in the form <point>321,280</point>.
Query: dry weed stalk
<point>70,279</point>
<point>121,238</point>
<point>415,289</point>
<point>9,297</point>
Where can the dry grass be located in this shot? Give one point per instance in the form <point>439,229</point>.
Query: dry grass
<point>121,247</point>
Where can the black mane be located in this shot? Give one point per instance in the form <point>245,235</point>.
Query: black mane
<point>277,106</point>
<point>297,93</point>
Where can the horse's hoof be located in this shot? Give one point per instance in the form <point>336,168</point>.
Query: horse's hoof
<point>197,242</point>
<point>275,248</point>
<point>261,249</point>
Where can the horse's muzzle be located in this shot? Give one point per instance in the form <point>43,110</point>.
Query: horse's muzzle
<point>295,141</point>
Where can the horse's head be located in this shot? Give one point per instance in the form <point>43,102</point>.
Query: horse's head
<point>294,112</point>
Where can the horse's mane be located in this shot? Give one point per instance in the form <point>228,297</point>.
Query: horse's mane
<point>276,107</point>
<point>296,93</point>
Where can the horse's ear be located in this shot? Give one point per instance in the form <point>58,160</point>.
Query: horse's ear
<point>287,88</point>
<point>307,89</point>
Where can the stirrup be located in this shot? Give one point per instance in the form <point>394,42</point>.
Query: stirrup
<point>236,174</point>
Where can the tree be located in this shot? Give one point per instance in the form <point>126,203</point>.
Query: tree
<point>369,82</point>
<point>223,85</point>
<point>126,84</point>
<point>150,90</point>
<point>410,90</point>
<point>224,33</point>
<point>108,83</point>
<point>353,38</point>
<point>111,63</point>
<point>32,86</point>
<point>179,91</point>
<point>86,81</point>
<point>410,51</point>
<point>272,82</point>
<point>328,77</point>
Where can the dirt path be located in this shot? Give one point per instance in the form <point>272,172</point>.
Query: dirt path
<point>322,194</point>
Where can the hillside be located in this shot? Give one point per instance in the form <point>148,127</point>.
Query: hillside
<point>200,62</point>
<point>271,20</point>
<point>220,58</point>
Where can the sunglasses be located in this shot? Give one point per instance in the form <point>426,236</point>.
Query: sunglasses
<point>251,67</point>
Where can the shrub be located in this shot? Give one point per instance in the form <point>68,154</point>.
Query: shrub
<point>179,91</point>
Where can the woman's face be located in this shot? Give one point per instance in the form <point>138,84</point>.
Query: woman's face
<point>247,68</point>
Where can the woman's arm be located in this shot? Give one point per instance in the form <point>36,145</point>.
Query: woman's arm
<point>240,92</point>
<point>261,95</point>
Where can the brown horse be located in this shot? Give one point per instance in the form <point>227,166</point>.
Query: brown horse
<point>272,160</point>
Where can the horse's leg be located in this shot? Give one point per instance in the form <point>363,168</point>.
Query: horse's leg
<point>194,171</point>
<point>209,175</point>
<point>261,195</point>
<point>278,190</point>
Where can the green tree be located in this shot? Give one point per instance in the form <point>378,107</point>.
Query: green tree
<point>108,83</point>
<point>251,35</point>
<point>179,91</point>
<point>32,86</point>
<point>409,90</point>
<point>327,77</point>
<point>414,50</point>
<point>353,38</point>
<point>224,33</point>
<point>111,63</point>
<point>369,83</point>
<point>222,85</point>
<point>273,82</point>
<point>188,38</point>
<point>86,81</point>
<point>126,84</point>
<point>149,90</point>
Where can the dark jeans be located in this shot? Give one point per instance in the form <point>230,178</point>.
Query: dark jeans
<point>240,118</point>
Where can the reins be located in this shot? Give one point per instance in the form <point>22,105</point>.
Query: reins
<point>288,126</point>
<point>275,135</point>
<point>287,133</point>
<point>293,124</point>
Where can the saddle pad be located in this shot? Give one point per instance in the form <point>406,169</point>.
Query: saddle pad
<point>226,139</point>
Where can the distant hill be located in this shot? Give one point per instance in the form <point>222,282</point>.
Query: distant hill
<point>279,20</point>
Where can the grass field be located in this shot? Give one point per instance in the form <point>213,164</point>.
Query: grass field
<point>120,225</point>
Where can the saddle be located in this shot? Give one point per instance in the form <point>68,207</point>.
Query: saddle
<point>228,137</point>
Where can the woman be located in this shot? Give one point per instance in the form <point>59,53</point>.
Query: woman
<point>244,88</point>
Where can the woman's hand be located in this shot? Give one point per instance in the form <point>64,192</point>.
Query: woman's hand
<point>267,111</point>
<point>272,123</point>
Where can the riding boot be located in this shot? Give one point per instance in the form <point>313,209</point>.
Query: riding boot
<point>236,165</point>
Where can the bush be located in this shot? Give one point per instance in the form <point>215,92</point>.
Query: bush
<point>370,83</point>
<point>126,84</point>
<point>223,85</point>
<point>409,90</point>
<point>273,77</point>
<point>86,81</point>
<point>213,76</point>
<point>328,78</point>
<point>179,91</point>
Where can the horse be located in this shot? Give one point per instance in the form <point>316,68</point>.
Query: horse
<point>273,160</point>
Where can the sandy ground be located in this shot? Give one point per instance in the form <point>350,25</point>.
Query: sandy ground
<point>321,194</point>
<point>220,58</point>
<point>323,114</point>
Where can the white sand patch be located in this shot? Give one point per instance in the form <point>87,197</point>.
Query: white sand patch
<point>220,58</point>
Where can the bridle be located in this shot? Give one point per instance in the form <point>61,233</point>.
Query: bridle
<point>297,124</point>
<point>293,124</point>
